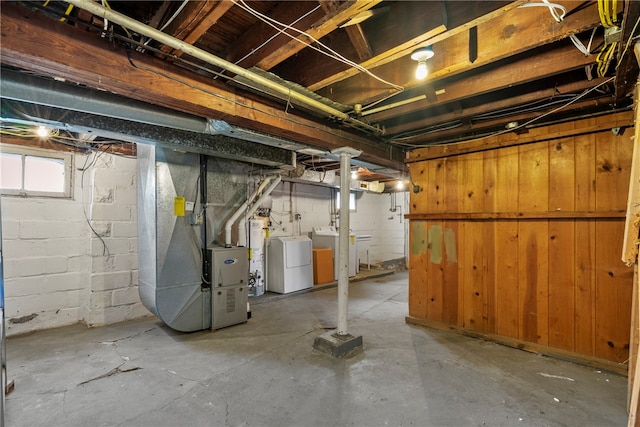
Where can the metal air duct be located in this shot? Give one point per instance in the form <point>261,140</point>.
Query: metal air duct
<point>207,57</point>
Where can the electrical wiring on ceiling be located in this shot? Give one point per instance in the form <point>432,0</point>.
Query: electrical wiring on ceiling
<point>535,119</point>
<point>558,13</point>
<point>280,27</point>
<point>263,44</point>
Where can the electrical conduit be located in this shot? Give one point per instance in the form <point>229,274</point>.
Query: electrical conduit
<point>198,53</point>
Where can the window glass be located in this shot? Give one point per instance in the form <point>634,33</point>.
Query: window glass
<point>27,171</point>
<point>10,171</point>
<point>352,201</point>
<point>43,174</point>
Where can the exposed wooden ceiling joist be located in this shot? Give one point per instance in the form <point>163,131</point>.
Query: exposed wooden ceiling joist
<point>523,70</point>
<point>33,42</point>
<point>195,20</point>
<point>509,34</point>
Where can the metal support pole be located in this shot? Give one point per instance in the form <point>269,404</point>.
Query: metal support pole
<point>3,351</point>
<point>343,236</point>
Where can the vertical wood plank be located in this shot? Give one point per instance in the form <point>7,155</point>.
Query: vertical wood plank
<point>585,244</point>
<point>613,278</point>
<point>490,163</point>
<point>451,289</point>
<point>437,260</point>
<point>418,266</point>
<point>562,245</point>
<point>471,200</point>
<point>533,268</point>
<point>506,244</point>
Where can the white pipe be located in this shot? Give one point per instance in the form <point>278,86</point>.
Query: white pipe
<point>236,214</point>
<point>242,228</point>
<point>343,237</point>
<point>198,53</point>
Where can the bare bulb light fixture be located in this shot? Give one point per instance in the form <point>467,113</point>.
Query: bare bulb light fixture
<point>42,131</point>
<point>421,55</point>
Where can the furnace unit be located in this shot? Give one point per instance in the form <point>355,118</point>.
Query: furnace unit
<point>229,290</point>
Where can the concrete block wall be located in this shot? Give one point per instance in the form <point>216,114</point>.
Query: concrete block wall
<point>382,217</point>
<point>373,216</point>
<point>113,294</point>
<point>56,270</point>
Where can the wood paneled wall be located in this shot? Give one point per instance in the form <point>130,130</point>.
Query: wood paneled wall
<point>523,239</point>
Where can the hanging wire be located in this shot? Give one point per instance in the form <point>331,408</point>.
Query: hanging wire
<point>278,26</point>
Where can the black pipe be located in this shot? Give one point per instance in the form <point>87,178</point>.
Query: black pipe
<point>206,258</point>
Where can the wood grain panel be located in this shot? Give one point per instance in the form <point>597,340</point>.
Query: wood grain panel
<point>453,301</point>
<point>435,195</point>
<point>418,265</point>
<point>471,199</point>
<point>585,244</point>
<point>506,244</point>
<point>562,245</point>
<point>490,176</point>
<point>538,231</point>
<point>533,267</point>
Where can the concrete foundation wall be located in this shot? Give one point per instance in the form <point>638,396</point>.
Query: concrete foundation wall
<point>373,216</point>
<point>57,271</point>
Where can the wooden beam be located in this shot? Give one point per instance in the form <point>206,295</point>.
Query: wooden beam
<point>318,30</point>
<point>540,134</point>
<point>124,148</point>
<point>469,127</point>
<point>627,69</point>
<point>354,32</point>
<point>632,225</point>
<point>491,216</point>
<point>35,43</point>
<point>359,42</point>
<point>523,70</point>
<point>199,18</point>
<point>395,40</point>
<point>504,36</point>
<point>548,93</point>
<point>249,48</point>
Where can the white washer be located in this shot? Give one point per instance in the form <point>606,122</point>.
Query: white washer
<point>327,237</point>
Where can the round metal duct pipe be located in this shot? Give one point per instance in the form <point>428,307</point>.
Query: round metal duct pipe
<point>189,49</point>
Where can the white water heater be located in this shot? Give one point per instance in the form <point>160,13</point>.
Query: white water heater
<point>257,234</point>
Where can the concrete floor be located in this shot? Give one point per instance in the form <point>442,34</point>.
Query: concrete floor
<point>266,373</point>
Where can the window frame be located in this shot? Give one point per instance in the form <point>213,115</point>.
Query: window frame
<point>24,151</point>
<point>352,196</point>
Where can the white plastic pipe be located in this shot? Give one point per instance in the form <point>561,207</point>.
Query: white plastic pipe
<point>145,30</point>
<point>242,208</point>
<point>242,228</point>
<point>343,236</point>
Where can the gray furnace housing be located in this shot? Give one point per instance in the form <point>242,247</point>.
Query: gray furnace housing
<point>172,281</point>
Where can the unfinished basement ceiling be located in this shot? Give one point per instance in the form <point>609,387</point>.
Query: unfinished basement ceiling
<point>498,66</point>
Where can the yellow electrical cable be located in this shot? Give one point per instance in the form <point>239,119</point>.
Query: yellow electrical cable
<point>601,13</point>
<point>69,9</point>
<point>108,6</point>
<point>612,12</point>
<point>46,3</point>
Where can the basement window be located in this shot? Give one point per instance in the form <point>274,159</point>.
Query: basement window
<point>34,172</point>
<point>352,201</point>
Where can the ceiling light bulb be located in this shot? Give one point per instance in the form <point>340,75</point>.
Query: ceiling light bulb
<point>400,185</point>
<point>354,174</point>
<point>421,70</point>
<point>421,55</point>
<point>42,132</point>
